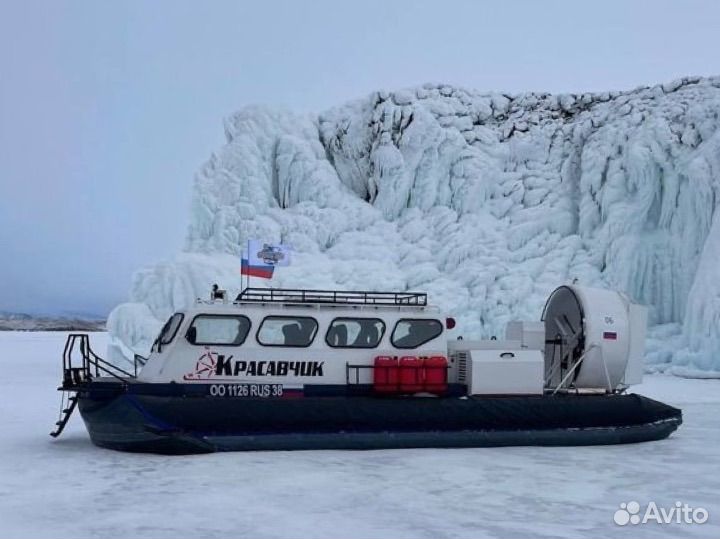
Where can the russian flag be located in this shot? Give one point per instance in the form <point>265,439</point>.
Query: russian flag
<point>264,271</point>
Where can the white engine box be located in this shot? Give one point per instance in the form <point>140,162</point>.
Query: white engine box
<point>530,334</point>
<point>506,372</point>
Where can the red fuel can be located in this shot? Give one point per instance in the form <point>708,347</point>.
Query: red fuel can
<point>385,374</point>
<point>411,374</point>
<point>436,374</point>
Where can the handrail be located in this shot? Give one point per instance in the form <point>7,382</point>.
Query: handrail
<point>138,360</point>
<point>352,297</point>
<point>357,368</point>
<point>100,363</point>
<point>92,364</point>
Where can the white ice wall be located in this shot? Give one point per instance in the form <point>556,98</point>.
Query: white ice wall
<point>486,201</point>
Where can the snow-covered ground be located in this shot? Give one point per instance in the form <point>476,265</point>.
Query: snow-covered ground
<point>69,488</point>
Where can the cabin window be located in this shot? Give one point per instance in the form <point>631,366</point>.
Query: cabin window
<point>287,331</point>
<point>411,333</point>
<point>218,329</point>
<point>355,333</point>
<point>168,331</point>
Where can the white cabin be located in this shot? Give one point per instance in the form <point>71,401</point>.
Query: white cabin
<point>293,337</point>
<point>588,339</point>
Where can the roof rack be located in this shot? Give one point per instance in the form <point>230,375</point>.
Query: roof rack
<point>339,297</point>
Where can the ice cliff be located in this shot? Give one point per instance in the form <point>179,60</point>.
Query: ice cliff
<point>487,201</point>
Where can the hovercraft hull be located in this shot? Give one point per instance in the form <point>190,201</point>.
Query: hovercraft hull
<point>144,418</point>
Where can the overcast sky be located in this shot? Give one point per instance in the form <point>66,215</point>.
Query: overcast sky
<point>108,108</point>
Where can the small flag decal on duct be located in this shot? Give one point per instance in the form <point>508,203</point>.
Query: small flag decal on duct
<point>610,335</point>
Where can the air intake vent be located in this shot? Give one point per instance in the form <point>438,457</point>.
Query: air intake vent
<point>462,358</point>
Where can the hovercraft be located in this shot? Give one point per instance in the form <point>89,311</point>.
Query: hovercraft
<point>281,369</point>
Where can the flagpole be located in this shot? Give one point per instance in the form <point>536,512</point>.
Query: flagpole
<point>248,259</point>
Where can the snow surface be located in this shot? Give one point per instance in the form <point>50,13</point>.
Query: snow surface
<point>486,201</point>
<point>69,488</point>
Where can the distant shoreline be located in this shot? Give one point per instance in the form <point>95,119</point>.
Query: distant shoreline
<point>50,324</point>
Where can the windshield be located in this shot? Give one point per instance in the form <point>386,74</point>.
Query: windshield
<point>167,333</point>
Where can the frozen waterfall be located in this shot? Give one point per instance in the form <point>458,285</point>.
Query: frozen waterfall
<point>486,201</point>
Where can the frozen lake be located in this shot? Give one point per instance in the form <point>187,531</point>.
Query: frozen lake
<point>69,488</point>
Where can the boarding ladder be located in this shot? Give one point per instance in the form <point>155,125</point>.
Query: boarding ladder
<point>78,374</point>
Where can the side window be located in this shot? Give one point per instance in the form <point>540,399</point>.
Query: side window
<point>355,332</point>
<point>227,330</point>
<point>409,333</point>
<point>168,331</point>
<point>287,331</point>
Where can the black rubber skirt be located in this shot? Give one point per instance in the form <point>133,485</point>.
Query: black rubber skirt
<point>181,424</point>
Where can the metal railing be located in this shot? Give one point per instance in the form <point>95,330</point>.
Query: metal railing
<point>418,371</point>
<point>91,365</point>
<point>342,297</point>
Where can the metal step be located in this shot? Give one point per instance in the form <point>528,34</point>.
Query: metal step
<point>66,413</point>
